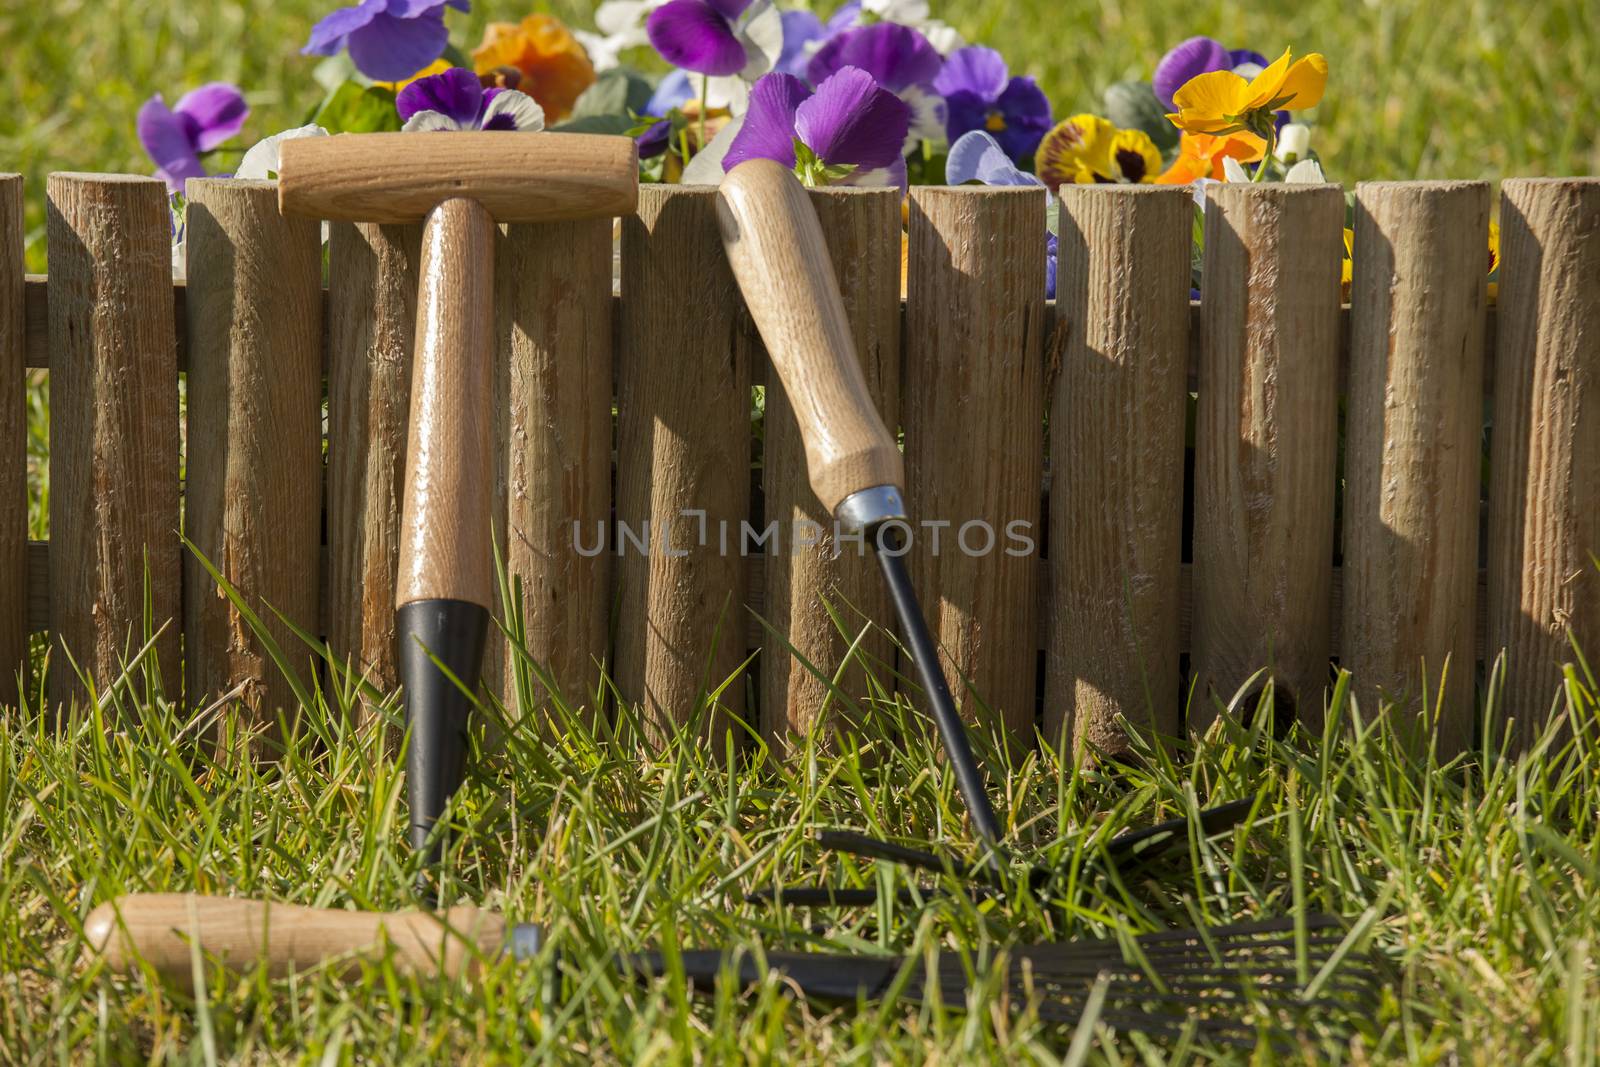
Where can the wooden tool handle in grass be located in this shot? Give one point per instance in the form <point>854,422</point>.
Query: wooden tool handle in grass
<point>161,928</point>
<point>776,248</point>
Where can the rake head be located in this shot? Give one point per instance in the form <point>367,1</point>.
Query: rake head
<point>1234,985</point>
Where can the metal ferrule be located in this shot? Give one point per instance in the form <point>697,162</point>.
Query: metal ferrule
<point>866,508</point>
<point>525,941</point>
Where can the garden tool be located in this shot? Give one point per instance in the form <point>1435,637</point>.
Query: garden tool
<point>1167,982</point>
<point>459,185</point>
<point>780,260</point>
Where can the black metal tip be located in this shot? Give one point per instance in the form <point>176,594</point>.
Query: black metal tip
<point>450,632</point>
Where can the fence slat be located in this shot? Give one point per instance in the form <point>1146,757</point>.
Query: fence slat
<point>974,431</point>
<point>1412,446</point>
<point>13,443</point>
<point>683,445</point>
<point>253,493</point>
<point>113,427</point>
<point>1116,457</point>
<point>1544,507</point>
<point>553,301</point>
<point>1266,443</point>
<point>372,321</point>
<point>862,230</point>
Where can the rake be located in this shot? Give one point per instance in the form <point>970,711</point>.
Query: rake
<point>1229,984</point>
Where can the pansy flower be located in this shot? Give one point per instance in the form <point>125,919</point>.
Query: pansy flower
<point>1087,149</point>
<point>802,30</point>
<point>456,100</point>
<point>621,26</point>
<point>716,38</point>
<point>900,59</point>
<point>1201,155</point>
<point>202,119</point>
<point>1197,56</point>
<point>849,132</point>
<point>388,40</point>
<point>553,67</point>
<point>1222,102</point>
<point>978,157</point>
<point>913,13</point>
<point>980,94</point>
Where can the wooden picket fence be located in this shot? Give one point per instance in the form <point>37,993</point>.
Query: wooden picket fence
<point>1329,499</point>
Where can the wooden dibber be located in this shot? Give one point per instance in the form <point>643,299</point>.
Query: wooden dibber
<point>459,185</point>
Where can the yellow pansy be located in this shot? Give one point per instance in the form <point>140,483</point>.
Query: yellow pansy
<point>1222,102</point>
<point>1086,148</point>
<point>438,66</point>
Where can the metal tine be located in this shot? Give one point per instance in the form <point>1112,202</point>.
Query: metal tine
<point>1071,951</point>
<point>1225,996</point>
<point>813,896</point>
<point>856,844</point>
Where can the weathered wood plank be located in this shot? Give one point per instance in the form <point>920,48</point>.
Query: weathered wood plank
<point>253,495</point>
<point>1116,458</point>
<point>1544,494</point>
<point>973,414</point>
<point>113,429</point>
<point>683,463</point>
<point>1266,443</point>
<point>1412,447</point>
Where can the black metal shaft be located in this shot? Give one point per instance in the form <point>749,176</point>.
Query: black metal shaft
<point>433,632</point>
<point>890,546</point>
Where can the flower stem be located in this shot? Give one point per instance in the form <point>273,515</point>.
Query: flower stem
<point>705,93</point>
<point>1260,175</point>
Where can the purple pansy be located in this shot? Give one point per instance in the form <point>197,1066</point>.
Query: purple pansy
<point>800,28</point>
<point>1196,56</point>
<point>672,91</point>
<point>700,35</point>
<point>388,40</point>
<point>456,100</point>
<point>980,94</point>
<point>978,157</point>
<point>900,59</point>
<point>850,121</point>
<point>174,137</point>
<point>897,57</point>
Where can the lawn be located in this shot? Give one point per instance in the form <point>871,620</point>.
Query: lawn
<point>1477,876</point>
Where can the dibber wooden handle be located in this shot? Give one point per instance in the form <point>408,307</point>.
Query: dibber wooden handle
<point>776,248</point>
<point>446,548</point>
<point>160,929</point>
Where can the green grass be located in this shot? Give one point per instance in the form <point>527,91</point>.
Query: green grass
<point>1478,89</point>
<point>1480,874</point>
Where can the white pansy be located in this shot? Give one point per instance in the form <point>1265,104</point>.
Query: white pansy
<point>905,12</point>
<point>1293,142</point>
<point>1233,170</point>
<point>261,161</point>
<point>1308,171</point>
<point>524,111</point>
<point>622,26</point>
<point>706,166</point>
<point>944,37</point>
<point>928,114</point>
<point>761,33</point>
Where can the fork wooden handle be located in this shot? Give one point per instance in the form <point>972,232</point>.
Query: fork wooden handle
<point>780,260</point>
<point>162,929</point>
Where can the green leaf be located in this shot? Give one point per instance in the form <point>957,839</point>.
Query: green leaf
<point>620,125</point>
<point>1132,105</point>
<point>616,92</point>
<point>354,108</point>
